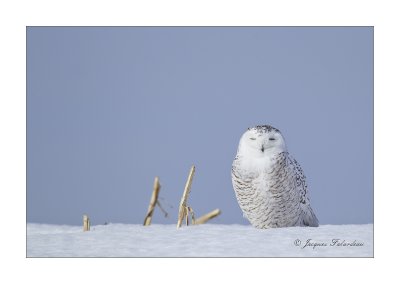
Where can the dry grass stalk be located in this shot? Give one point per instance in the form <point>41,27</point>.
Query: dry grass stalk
<point>162,209</point>
<point>86,223</point>
<point>184,210</point>
<point>153,202</point>
<point>203,219</point>
<point>189,210</point>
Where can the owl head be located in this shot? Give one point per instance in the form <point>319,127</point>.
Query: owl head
<point>261,141</point>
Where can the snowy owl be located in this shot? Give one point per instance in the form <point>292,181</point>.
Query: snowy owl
<point>269,183</point>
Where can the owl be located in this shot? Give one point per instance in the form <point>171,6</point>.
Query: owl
<point>269,184</point>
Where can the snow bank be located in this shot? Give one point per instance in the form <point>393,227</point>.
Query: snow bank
<point>209,240</point>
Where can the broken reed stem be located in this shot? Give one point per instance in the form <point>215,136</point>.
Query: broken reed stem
<point>162,209</point>
<point>203,219</point>
<point>153,202</point>
<point>86,223</point>
<point>183,210</point>
<point>189,210</point>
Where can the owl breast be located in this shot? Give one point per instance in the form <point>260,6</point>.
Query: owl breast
<point>267,194</point>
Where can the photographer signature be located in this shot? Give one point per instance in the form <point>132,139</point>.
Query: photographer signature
<point>333,243</point>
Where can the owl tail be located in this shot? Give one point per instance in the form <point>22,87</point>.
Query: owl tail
<point>309,218</point>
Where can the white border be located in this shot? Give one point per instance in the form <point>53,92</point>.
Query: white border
<point>15,15</point>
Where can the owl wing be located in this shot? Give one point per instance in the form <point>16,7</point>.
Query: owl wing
<point>243,186</point>
<point>308,216</point>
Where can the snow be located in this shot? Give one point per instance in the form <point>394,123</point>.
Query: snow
<point>208,240</point>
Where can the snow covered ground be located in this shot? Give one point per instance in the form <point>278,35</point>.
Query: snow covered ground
<point>209,240</point>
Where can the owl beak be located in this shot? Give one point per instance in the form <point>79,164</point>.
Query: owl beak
<point>262,148</point>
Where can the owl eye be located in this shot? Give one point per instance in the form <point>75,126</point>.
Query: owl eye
<point>252,138</point>
<point>271,139</point>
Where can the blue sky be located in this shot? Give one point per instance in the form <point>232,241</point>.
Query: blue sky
<point>108,109</point>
